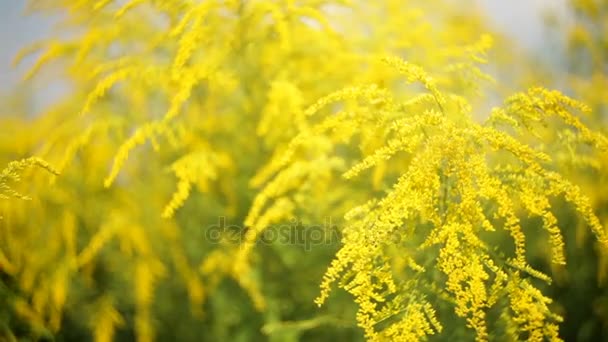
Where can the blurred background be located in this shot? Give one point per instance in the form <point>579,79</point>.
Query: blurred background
<point>522,20</point>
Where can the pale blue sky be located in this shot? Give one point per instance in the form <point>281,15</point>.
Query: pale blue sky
<point>17,31</point>
<point>523,19</point>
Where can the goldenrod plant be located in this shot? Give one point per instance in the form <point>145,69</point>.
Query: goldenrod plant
<point>288,170</point>
<point>586,44</point>
<point>580,289</point>
<point>10,178</point>
<point>12,174</point>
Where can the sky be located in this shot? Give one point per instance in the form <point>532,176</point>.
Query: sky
<point>17,31</point>
<point>523,19</point>
<point>520,19</point>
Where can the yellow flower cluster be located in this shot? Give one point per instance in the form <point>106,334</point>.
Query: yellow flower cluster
<point>195,168</point>
<point>12,174</point>
<point>452,183</point>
